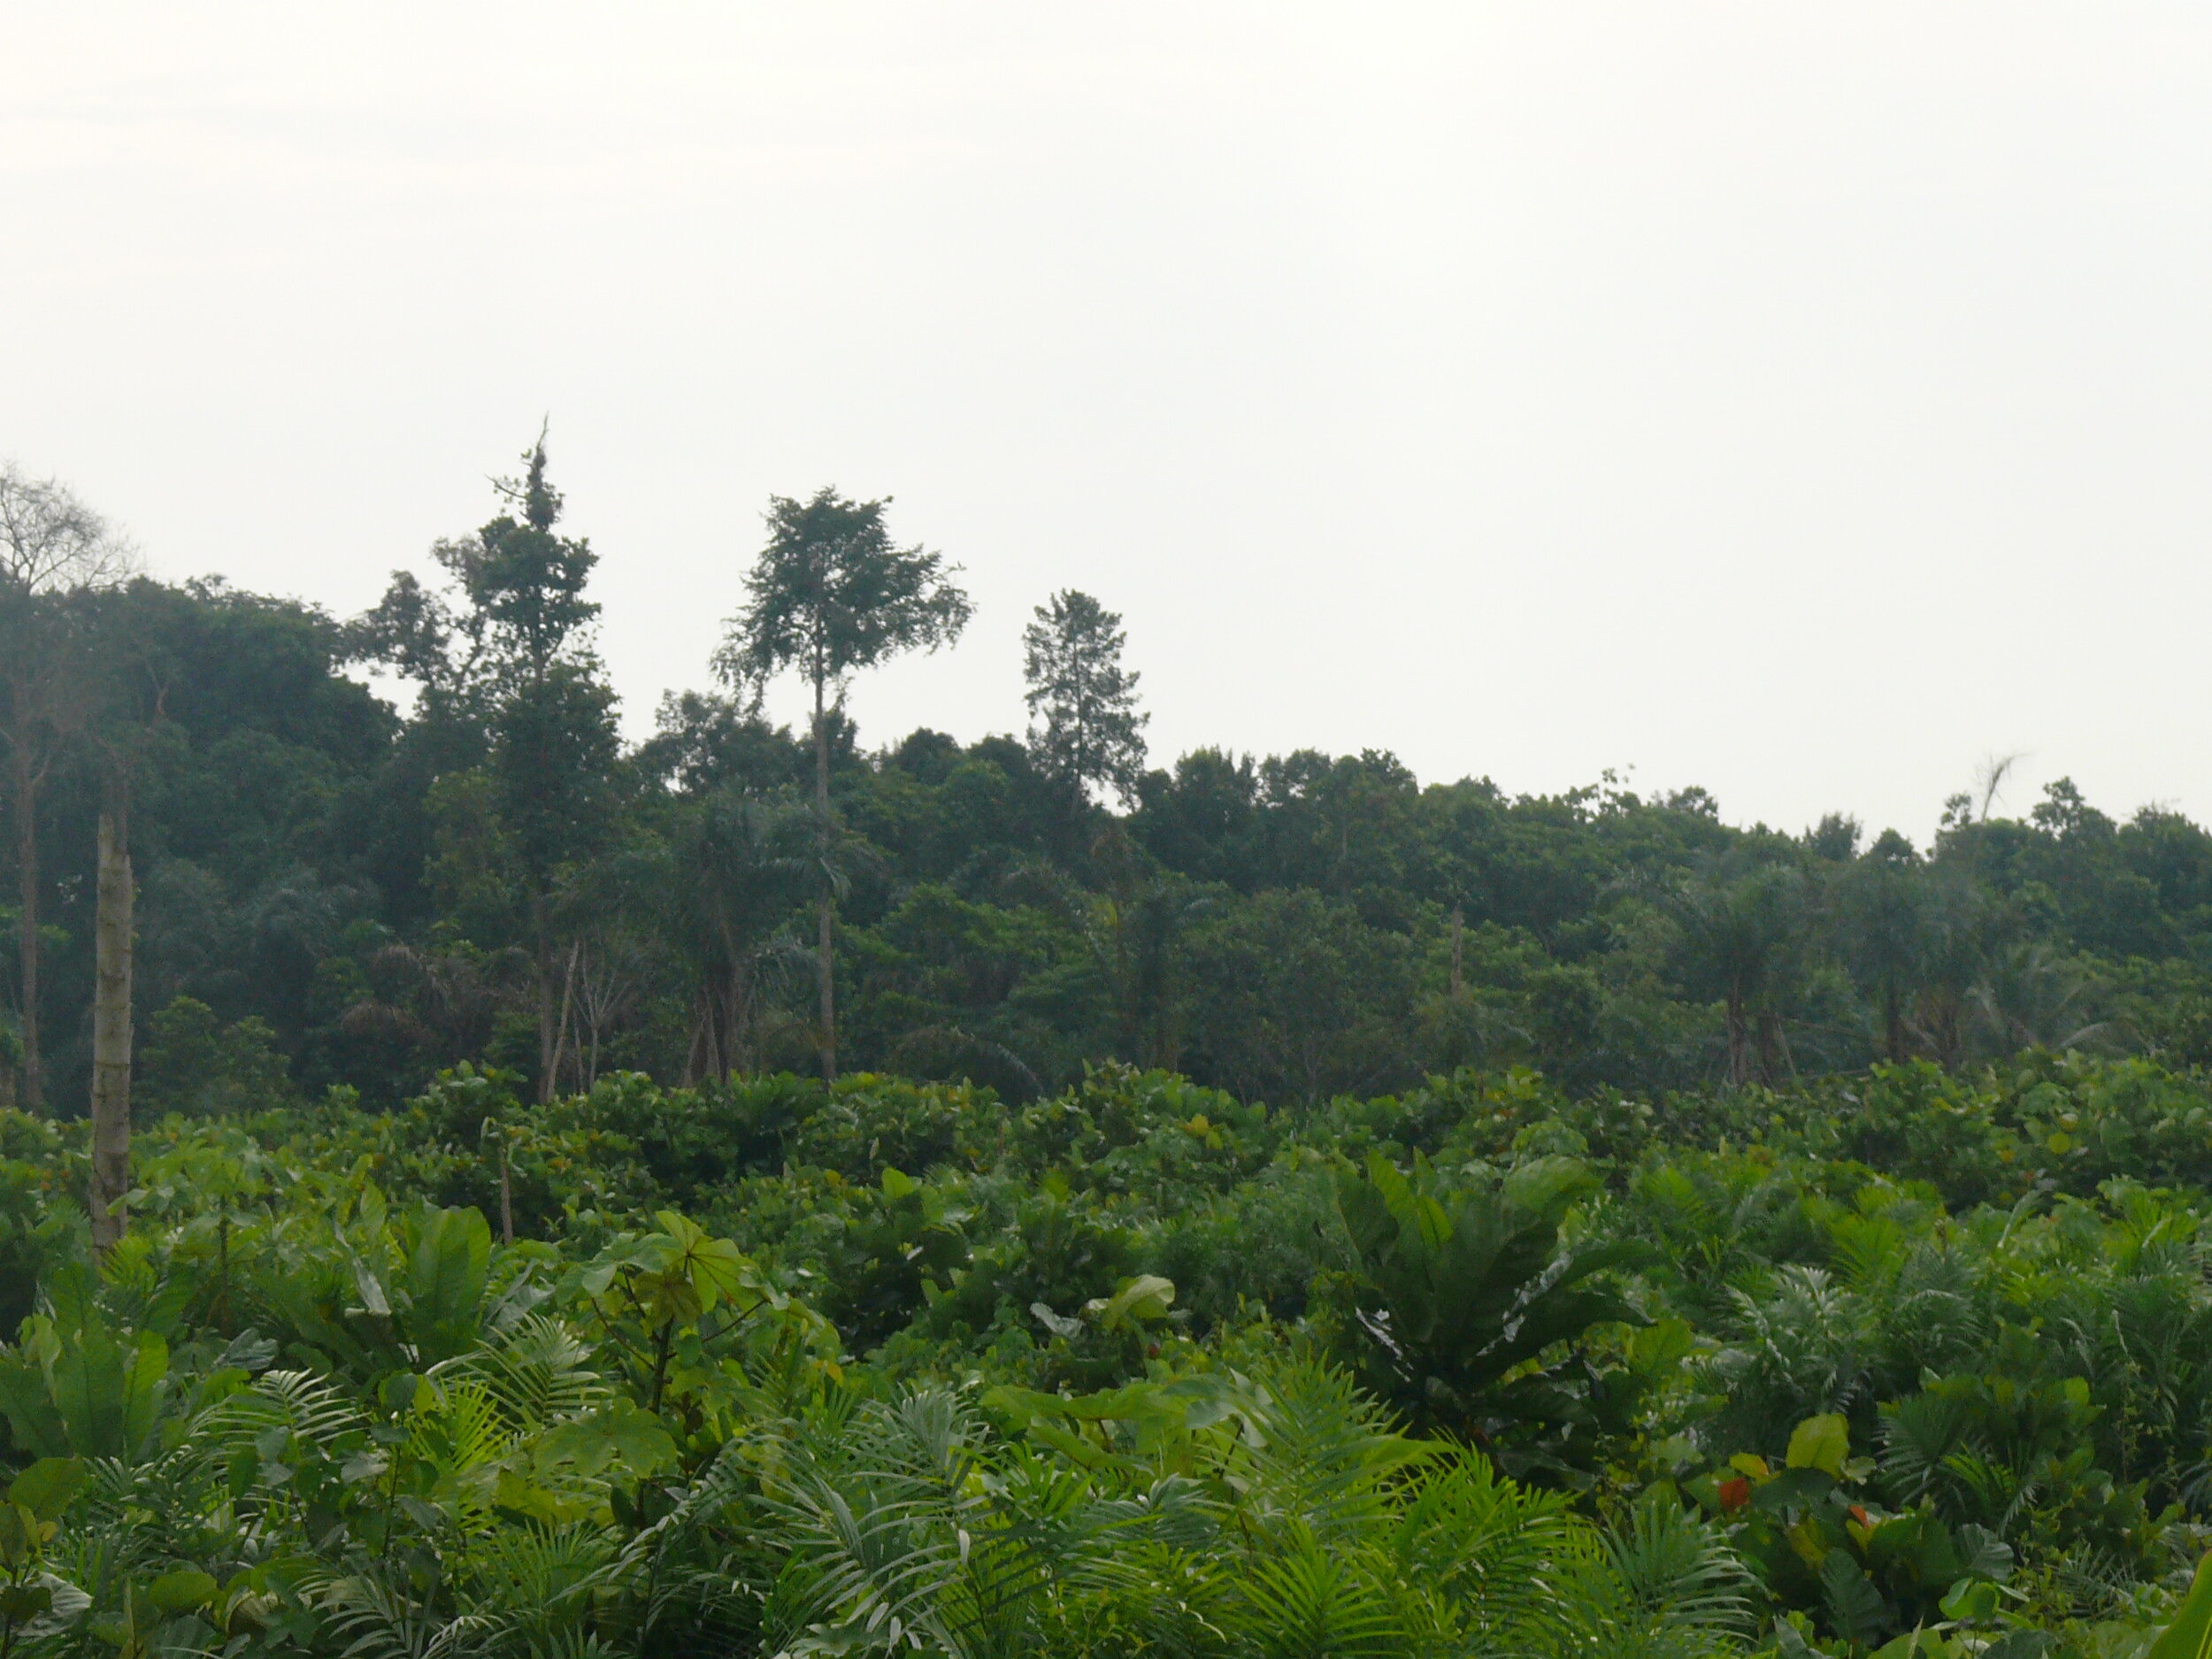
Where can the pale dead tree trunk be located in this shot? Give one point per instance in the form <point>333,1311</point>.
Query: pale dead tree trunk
<point>742,1024</point>
<point>604,990</point>
<point>561,1050</point>
<point>694,1053</point>
<point>111,1036</point>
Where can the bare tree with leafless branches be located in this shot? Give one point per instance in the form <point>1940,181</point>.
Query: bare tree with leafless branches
<point>51,543</point>
<point>51,539</point>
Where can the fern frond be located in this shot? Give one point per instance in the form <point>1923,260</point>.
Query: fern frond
<point>537,1371</point>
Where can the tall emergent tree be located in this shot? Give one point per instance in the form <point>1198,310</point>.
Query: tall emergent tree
<point>50,542</point>
<point>512,659</point>
<point>830,595</point>
<point>1085,726</point>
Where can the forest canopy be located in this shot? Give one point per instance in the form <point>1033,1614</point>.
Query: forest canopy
<point>360,899</point>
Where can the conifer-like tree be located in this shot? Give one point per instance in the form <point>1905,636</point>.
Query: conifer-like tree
<point>1086,728</point>
<point>509,657</point>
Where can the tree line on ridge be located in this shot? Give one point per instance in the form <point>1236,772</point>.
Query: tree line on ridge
<point>308,889</point>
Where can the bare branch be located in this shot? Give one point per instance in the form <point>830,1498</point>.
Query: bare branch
<point>51,539</point>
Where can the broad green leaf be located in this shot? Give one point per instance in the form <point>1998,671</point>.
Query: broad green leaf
<point>1142,1300</point>
<point>1059,1324</point>
<point>511,1492</point>
<point>1792,1489</point>
<point>2189,1635</point>
<point>20,1603</point>
<point>1984,1554</point>
<point>1971,1600</point>
<point>628,1254</point>
<point>20,1535</point>
<point>178,1592</point>
<point>719,1272</point>
<point>1917,1644</point>
<point>715,1269</point>
<point>447,1272</point>
<point>374,1302</point>
<point>1132,1401</point>
<point>1822,1442</point>
<point>620,1431</point>
<point>66,1604</point>
<point>46,1488</point>
<point>1546,1185</point>
<point>142,1391</point>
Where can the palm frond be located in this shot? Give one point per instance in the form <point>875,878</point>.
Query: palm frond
<point>1318,1603</point>
<point>1677,1569</point>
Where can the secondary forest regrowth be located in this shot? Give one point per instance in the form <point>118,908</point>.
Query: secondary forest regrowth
<point>331,895</point>
<point>471,1185</point>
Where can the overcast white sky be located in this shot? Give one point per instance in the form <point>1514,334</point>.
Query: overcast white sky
<point>1804,401</point>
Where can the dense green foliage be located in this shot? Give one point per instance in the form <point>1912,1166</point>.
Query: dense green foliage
<point>770,1368</point>
<point>495,876</point>
<point>1283,1209</point>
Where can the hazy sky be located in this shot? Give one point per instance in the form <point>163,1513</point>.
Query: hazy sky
<point>1804,401</point>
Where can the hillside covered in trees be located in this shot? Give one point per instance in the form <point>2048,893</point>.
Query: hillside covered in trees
<point>333,894</point>
<point>471,1186</point>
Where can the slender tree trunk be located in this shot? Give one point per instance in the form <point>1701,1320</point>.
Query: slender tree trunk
<point>33,1090</point>
<point>1770,1047</point>
<point>1739,1047</point>
<point>1894,1024</point>
<point>111,1036</point>
<point>563,1050</point>
<point>549,1053</point>
<point>1126,989</point>
<point>825,920</point>
<point>744,1056</point>
<point>703,1062</point>
<point>694,1054</point>
<point>1459,933</point>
